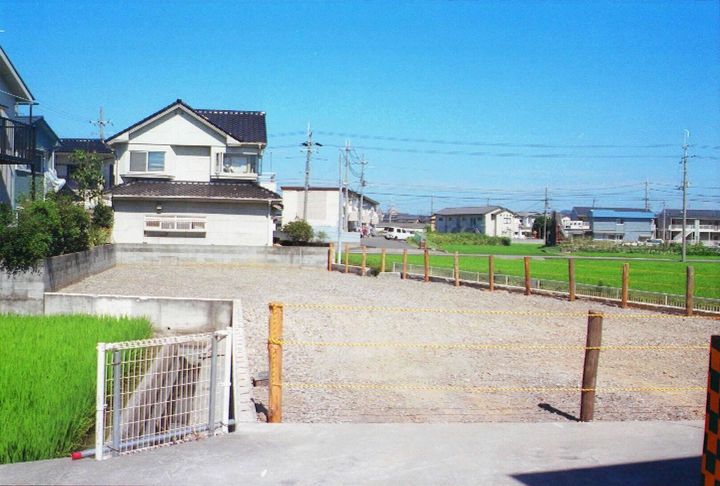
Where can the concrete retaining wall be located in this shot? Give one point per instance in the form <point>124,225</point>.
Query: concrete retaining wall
<point>173,316</point>
<point>285,255</point>
<point>23,293</point>
<point>168,315</point>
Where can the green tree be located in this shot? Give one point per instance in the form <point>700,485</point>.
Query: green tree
<point>299,231</point>
<point>88,175</point>
<point>27,238</point>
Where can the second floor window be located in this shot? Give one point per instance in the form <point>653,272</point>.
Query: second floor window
<point>239,164</point>
<point>147,161</point>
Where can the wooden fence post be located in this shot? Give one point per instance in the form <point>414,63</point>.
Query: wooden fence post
<point>689,291</point>
<point>404,265</point>
<point>275,336</point>
<point>382,260</point>
<point>364,261</point>
<point>427,265</point>
<point>624,290</point>
<point>491,273</point>
<point>456,270</point>
<point>571,279</point>
<point>347,257</point>
<point>526,260</point>
<point>331,257</point>
<point>592,357</point>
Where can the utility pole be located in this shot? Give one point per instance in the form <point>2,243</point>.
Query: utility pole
<point>664,224</point>
<point>684,200</point>
<point>346,186</point>
<point>545,217</point>
<point>432,204</point>
<point>340,209</point>
<point>647,196</point>
<point>101,123</point>
<point>363,163</point>
<point>309,149</point>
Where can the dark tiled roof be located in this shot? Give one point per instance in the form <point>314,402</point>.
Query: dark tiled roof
<point>692,213</point>
<point>246,126</point>
<point>226,190</point>
<point>69,145</point>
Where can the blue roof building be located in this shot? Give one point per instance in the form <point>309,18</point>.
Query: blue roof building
<point>622,225</point>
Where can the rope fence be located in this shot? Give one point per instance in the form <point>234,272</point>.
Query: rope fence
<point>689,302</point>
<point>587,389</point>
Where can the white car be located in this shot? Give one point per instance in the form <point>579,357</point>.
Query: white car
<point>395,233</point>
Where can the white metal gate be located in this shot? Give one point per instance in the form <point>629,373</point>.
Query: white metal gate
<point>159,391</point>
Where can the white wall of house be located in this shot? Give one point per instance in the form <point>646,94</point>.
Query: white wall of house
<point>191,149</point>
<point>323,207</point>
<point>245,224</point>
<point>494,223</point>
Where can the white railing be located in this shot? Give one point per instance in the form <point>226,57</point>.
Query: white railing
<point>175,224</point>
<point>704,304</point>
<point>159,391</point>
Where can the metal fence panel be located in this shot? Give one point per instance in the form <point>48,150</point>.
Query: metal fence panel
<point>158,391</point>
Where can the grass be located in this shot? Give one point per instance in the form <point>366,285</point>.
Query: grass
<point>656,276</point>
<point>47,380</point>
<point>539,250</point>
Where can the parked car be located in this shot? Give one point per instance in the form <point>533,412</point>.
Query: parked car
<point>395,233</point>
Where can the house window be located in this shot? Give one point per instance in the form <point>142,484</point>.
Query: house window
<point>239,164</point>
<point>147,161</point>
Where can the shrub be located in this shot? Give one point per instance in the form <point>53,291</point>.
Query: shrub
<point>73,234</point>
<point>28,238</point>
<point>441,239</point>
<point>299,231</point>
<point>103,216</point>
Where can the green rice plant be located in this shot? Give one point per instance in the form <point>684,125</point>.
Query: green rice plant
<point>653,275</point>
<point>47,380</point>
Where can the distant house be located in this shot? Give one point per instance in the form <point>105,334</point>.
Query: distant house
<point>323,208</point>
<point>489,220</point>
<point>65,166</point>
<point>524,224</point>
<point>191,176</point>
<point>702,226</point>
<point>16,143</point>
<point>622,224</point>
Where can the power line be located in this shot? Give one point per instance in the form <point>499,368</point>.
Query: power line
<point>500,144</point>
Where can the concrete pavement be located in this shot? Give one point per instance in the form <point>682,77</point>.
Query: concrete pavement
<point>534,454</point>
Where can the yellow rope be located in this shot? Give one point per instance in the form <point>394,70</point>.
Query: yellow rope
<point>487,389</point>
<point>479,346</point>
<point>341,307</point>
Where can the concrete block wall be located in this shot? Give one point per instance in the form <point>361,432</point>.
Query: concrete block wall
<point>285,255</point>
<point>23,293</point>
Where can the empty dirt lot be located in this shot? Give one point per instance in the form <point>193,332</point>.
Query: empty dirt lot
<point>529,377</point>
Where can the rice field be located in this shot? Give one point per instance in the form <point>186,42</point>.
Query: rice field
<point>651,275</point>
<point>47,380</point>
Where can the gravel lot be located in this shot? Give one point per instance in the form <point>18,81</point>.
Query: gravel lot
<point>258,285</point>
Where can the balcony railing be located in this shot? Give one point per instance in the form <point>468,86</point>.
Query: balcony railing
<point>690,227</point>
<point>15,142</point>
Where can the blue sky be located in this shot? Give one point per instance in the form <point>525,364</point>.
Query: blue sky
<point>467,101</point>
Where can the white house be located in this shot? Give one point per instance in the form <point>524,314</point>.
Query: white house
<point>524,221</point>
<point>489,220</point>
<point>191,176</point>
<point>323,211</point>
